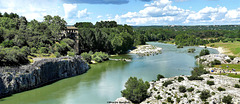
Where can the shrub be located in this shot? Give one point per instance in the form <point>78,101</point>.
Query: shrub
<point>180,79</point>
<point>204,52</point>
<point>167,83</point>
<point>33,50</point>
<point>221,89</point>
<point>159,76</point>
<point>210,83</point>
<point>179,46</point>
<point>228,60</point>
<point>182,89</point>
<point>136,90</point>
<point>195,78</point>
<point>178,100</point>
<point>25,50</point>
<point>57,54</point>
<point>169,99</point>
<point>211,77</point>
<point>191,50</point>
<point>158,97</point>
<point>185,95</point>
<point>204,95</point>
<point>190,89</point>
<point>43,50</point>
<point>86,56</point>
<point>232,57</point>
<point>216,62</point>
<point>237,86</point>
<point>97,59</point>
<point>69,53</point>
<point>227,99</point>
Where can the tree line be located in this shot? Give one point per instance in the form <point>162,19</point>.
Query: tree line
<point>21,39</point>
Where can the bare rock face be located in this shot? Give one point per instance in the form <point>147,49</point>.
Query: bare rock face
<point>207,59</point>
<point>13,80</point>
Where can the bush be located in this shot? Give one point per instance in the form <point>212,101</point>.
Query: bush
<point>237,86</point>
<point>43,50</point>
<point>167,83</point>
<point>169,99</point>
<point>97,59</point>
<point>228,60</point>
<point>33,50</point>
<point>195,78</point>
<point>159,76</point>
<point>26,50</point>
<point>211,77</point>
<point>182,89</point>
<point>180,79</point>
<point>179,46</point>
<point>216,62</point>
<point>57,54</point>
<point>232,57</point>
<point>69,53</point>
<point>204,52</point>
<point>227,99</point>
<point>178,100</point>
<point>185,95</point>
<point>158,97</point>
<point>210,83</point>
<point>190,89</point>
<point>191,50</point>
<point>221,89</point>
<point>86,56</point>
<point>136,90</point>
<point>204,95</point>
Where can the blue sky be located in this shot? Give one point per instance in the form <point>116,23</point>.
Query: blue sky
<point>131,12</point>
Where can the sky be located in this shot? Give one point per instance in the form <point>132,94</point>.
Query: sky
<point>131,12</point>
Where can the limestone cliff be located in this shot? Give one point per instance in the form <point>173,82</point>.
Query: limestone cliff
<point>13,80</point>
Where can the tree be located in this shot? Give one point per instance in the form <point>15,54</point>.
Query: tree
<point>159,76</point>
<point>204,52</point>
<point>227,99</point>
<point>205,94</point>
<point>136,90</point>
<point>182,89</point>
<point>86,56</point>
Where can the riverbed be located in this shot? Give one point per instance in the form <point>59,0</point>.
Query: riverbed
<point>104,81</point>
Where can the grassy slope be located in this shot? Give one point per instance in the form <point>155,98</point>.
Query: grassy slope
<point>231,66</point>
<point>231,48</point>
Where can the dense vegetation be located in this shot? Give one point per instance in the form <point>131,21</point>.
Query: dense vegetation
<point>191,35</point>
<point>97,56</point>
<point>20,40</point>
<point>136,90</point>
<point>107,37</point>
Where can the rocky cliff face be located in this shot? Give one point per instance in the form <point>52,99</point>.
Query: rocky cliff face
<point>13,80</point>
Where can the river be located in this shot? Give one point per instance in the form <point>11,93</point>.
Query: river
<point>104,81</point>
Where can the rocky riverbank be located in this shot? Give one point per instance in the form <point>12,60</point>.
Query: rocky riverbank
<point>160,94</point>
<point>145,50</point>
<point>42,72</point>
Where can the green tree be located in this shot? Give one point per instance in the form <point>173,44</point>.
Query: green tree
<point>136,90</point>
<point>227,99</point>
<point>204,52</point>
<point>205,94</point>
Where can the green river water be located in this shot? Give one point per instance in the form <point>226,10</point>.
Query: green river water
<point>104,81</point>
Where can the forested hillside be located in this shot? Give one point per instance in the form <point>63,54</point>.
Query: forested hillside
<point>20,40</point>
<point>190,35</point>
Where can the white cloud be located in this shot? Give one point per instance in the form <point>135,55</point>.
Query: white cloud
<point>70,10</point>
<point>31,9</point>
<point>158,12</point>
<point>162,12</point>
<point>99,16</point>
